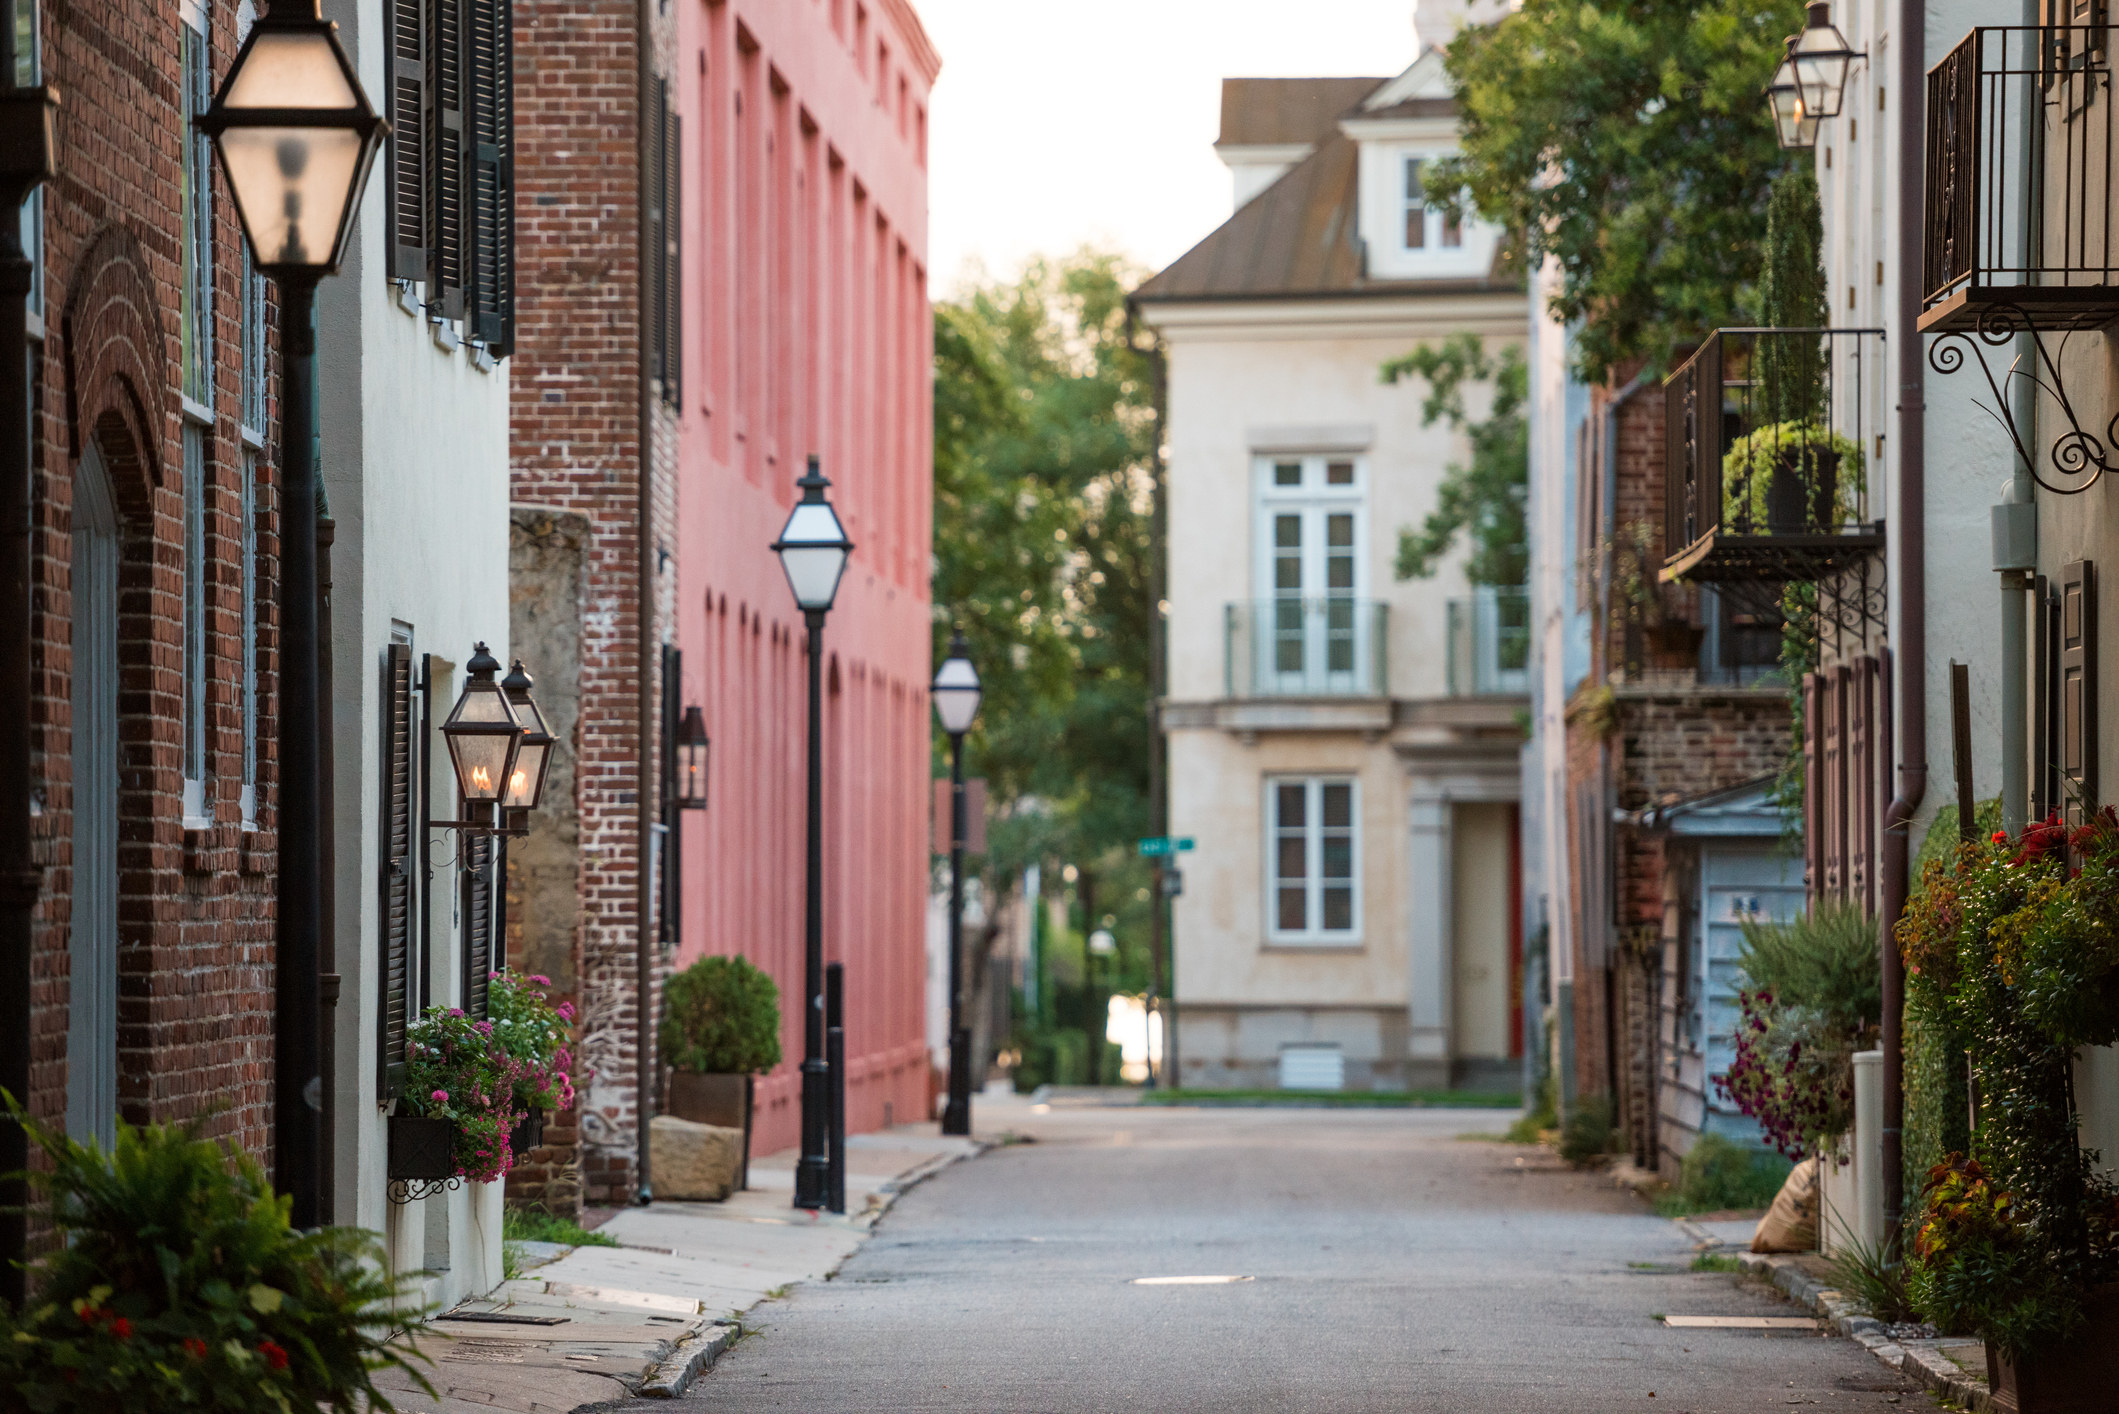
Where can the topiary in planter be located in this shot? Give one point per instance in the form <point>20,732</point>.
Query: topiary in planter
<point>180,1285</point>
<point>721,1016</point>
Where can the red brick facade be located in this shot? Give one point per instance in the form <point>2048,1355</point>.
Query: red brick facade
<point>195,906</point>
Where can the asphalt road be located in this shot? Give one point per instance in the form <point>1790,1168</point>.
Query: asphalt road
<point>1392,1266</point>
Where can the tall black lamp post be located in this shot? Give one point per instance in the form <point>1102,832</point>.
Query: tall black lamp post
<point>956,705</point>
<point>813,548</point>
<point>296,136</point>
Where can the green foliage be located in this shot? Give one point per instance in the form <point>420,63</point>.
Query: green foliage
<point>1045,433</point>
<point>1716,1262</point>
<point>180,1285</point>
<point>1718,1173</point>
<point>1631,146</point>
<point>1983,1269</point>
<point>534,1033</point>
<point>1586,1130</point>
<point>1484,498</point>
<point>1816,999</point>
<point>1799,447</point>
<point>1825,961</point>
<point>1874,1278</point>
<point>721,1016</point>
<point>1937,1103</point>
<point>1540,1115</point>
<point>456,1070</point>
<point>1799,644</point>
<point>531,1225</point>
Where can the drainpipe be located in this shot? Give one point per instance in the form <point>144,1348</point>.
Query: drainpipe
<point>2015,532</point>
<point>644,567</point>
<point>1909,511</point>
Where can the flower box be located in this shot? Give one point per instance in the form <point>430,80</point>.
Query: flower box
<point>2075,1377</point>
<point>422,1148</point>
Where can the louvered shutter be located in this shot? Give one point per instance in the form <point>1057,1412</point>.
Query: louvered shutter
<point>2045,698</point>
<point>2078,690</point>
<point>672,256</point>
<point>478,922</point>
<point>489,89</point>
<point>1814,783</point>
<point>407,209</point>
<point>1833,811</point>
<point>672,900</point>
<point>395,969</point>
<point>653,198</point>
<point>446,159</point>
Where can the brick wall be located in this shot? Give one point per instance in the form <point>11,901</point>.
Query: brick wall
<point>195,908</point>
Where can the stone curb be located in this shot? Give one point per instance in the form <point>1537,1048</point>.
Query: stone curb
<point>1920,1360</point>
<point>693,1354</point>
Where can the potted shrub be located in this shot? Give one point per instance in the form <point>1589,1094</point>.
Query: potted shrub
<point>179,1283</point>
<point>2016,943</point>
<point>456,1072</point>
<point>720,1027</point>
<point>1786,479</point>
<point>533,1033</point>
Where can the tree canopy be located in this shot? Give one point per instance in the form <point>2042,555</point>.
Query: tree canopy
<point>1630,144</point>
<point>1482,499</point>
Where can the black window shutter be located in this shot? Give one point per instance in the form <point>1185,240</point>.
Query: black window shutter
<point>1814,783</point>
<point>490,278</point>
<point>408,140</point>
<point>672,818</point>
<point>654,200</point>
<point>2078,690</point>
<point>672,256</point>
<point>2044,633</point>
<point>395,971</point>
<point>478,922</point>
<point>447,158</point>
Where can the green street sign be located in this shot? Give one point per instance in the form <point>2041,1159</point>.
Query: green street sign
<point>1156,845</point>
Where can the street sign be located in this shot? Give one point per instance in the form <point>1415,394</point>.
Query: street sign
<point>1156,845</point>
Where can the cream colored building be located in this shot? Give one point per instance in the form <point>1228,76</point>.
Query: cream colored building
<point>1343,746</point>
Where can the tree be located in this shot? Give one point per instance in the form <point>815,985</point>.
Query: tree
<point>1630,145</point>
<point>1483,498</point>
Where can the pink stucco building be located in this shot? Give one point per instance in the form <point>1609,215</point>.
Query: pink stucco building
<point>806,329</point>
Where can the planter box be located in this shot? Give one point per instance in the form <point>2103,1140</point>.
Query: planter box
<point>1802,497</point>
<point>422,1148</point>
<point>527,1134</point>
<point>2077,1377</point>
<point>721,1100</point>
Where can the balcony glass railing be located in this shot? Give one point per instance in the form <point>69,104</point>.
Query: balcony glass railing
<point>1305,646</point>
<point>1489,643</point>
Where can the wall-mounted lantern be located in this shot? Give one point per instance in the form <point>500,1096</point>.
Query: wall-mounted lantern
<point>1821,59</point>
<point>533,758</point>
<point>693,748</point>
<point>1784,97</point>
<point>483,733</point>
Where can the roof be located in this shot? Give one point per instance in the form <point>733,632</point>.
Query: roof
<point>1261,112</point>
<point>1747,808</point>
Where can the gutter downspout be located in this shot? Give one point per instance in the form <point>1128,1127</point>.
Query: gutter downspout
<point>2015,526</point>
<point>644,572</point>
<point>1910,653</point>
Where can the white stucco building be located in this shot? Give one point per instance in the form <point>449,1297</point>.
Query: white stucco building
<point>1343,746</point>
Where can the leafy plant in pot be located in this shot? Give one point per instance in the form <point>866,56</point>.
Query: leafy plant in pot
<point>720,1027</point>
<point>2016,943</point>
<point>456,1073</point>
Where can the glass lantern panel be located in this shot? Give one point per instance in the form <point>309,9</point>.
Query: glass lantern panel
<point>481,763</point>
<point>524,780</point>
<point>291,70</point>
<point>292,185</point>
<point>813,574</point>
<point>691,772</point>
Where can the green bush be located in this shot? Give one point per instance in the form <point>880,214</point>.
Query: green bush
<point>1585,1135</point>
<point>1719,1173</point>
<point>1538,1116</point>
<point>1825,961</point>
<point>1874,1278</point>
<point>180,1285</point>
<point>721,1016</point>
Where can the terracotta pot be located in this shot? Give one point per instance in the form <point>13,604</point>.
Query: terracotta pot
<point>723,1100</point>
<point>2075,1377</point>
<point>422,1148</point>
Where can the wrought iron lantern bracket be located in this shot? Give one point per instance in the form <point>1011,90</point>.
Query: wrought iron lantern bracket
<point>2079,455</point>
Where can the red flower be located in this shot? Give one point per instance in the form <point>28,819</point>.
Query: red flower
<point>90,1315</point>
<point>2001,837</point>
<point>121,1328</point>
<point>194,1347</point>
<point>274,1356</point>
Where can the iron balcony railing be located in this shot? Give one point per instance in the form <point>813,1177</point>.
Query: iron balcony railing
<point>1489,643</point>
<point>1306,646</point>
<point>1772,445</point>
<point>2019,181</point>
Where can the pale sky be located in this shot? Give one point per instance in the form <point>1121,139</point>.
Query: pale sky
<point>1060,122</point>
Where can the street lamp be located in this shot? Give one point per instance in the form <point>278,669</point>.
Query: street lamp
<point>1821,56</point>
<point>956,704</point>
<point>693,749</point>
<point>296,137</point>
<point>483,734</point>
<point>813,548</point>
<point>533,757</point>
<point>1792,125</point>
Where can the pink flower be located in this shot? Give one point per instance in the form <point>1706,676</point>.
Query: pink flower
<point>441,1097</point>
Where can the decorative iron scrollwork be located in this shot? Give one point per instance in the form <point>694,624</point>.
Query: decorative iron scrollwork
<point>2079,456</point>
<point>411,1190</point>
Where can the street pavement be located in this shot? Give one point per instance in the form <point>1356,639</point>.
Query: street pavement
<point>1390,1264</point>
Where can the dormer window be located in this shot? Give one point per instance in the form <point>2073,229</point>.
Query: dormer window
<point>1424,225</point>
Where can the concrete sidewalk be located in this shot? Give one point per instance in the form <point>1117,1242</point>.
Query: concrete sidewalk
<point>584,1325</point>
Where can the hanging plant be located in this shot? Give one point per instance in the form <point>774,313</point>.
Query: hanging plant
<point>534,1034</point>
<point>455,1070</point>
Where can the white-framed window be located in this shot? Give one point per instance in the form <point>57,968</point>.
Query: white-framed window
<point>1425,227</point>
<point>247,532</point>
<point>197,811</point>
<point>1313,860</point>
<point>196,296</point>
<point>25,46</point>
<point>1313,572</point>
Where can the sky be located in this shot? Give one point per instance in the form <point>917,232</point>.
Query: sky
<point>1057,123</point>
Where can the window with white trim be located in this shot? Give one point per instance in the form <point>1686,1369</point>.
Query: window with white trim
<point>196,295</point>
<point>247,531</point>
<point>1312,572</point>
<point>197,812</point>
<point>1313,860</point>
<point>1427,226</point>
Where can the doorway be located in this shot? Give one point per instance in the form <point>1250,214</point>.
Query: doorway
<point>92,1020</point>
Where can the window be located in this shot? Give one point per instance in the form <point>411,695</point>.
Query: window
<point>253,371</point>
<point>451,161</point>
<point>22,37</point>
<point>665,216</point>
<point>1313,568</point>
<point>1313,861</point>
<point>1425,225</point>
<point>196,296</point>
<point>247,531</point>
<point>197,812</point>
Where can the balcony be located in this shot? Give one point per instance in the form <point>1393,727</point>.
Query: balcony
<point>1770,434</point>
<point>2018,225</point>
<point>1489,644</point>
<point>1320,646</point>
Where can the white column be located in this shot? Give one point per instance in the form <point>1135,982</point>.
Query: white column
<point>1429,946</point>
